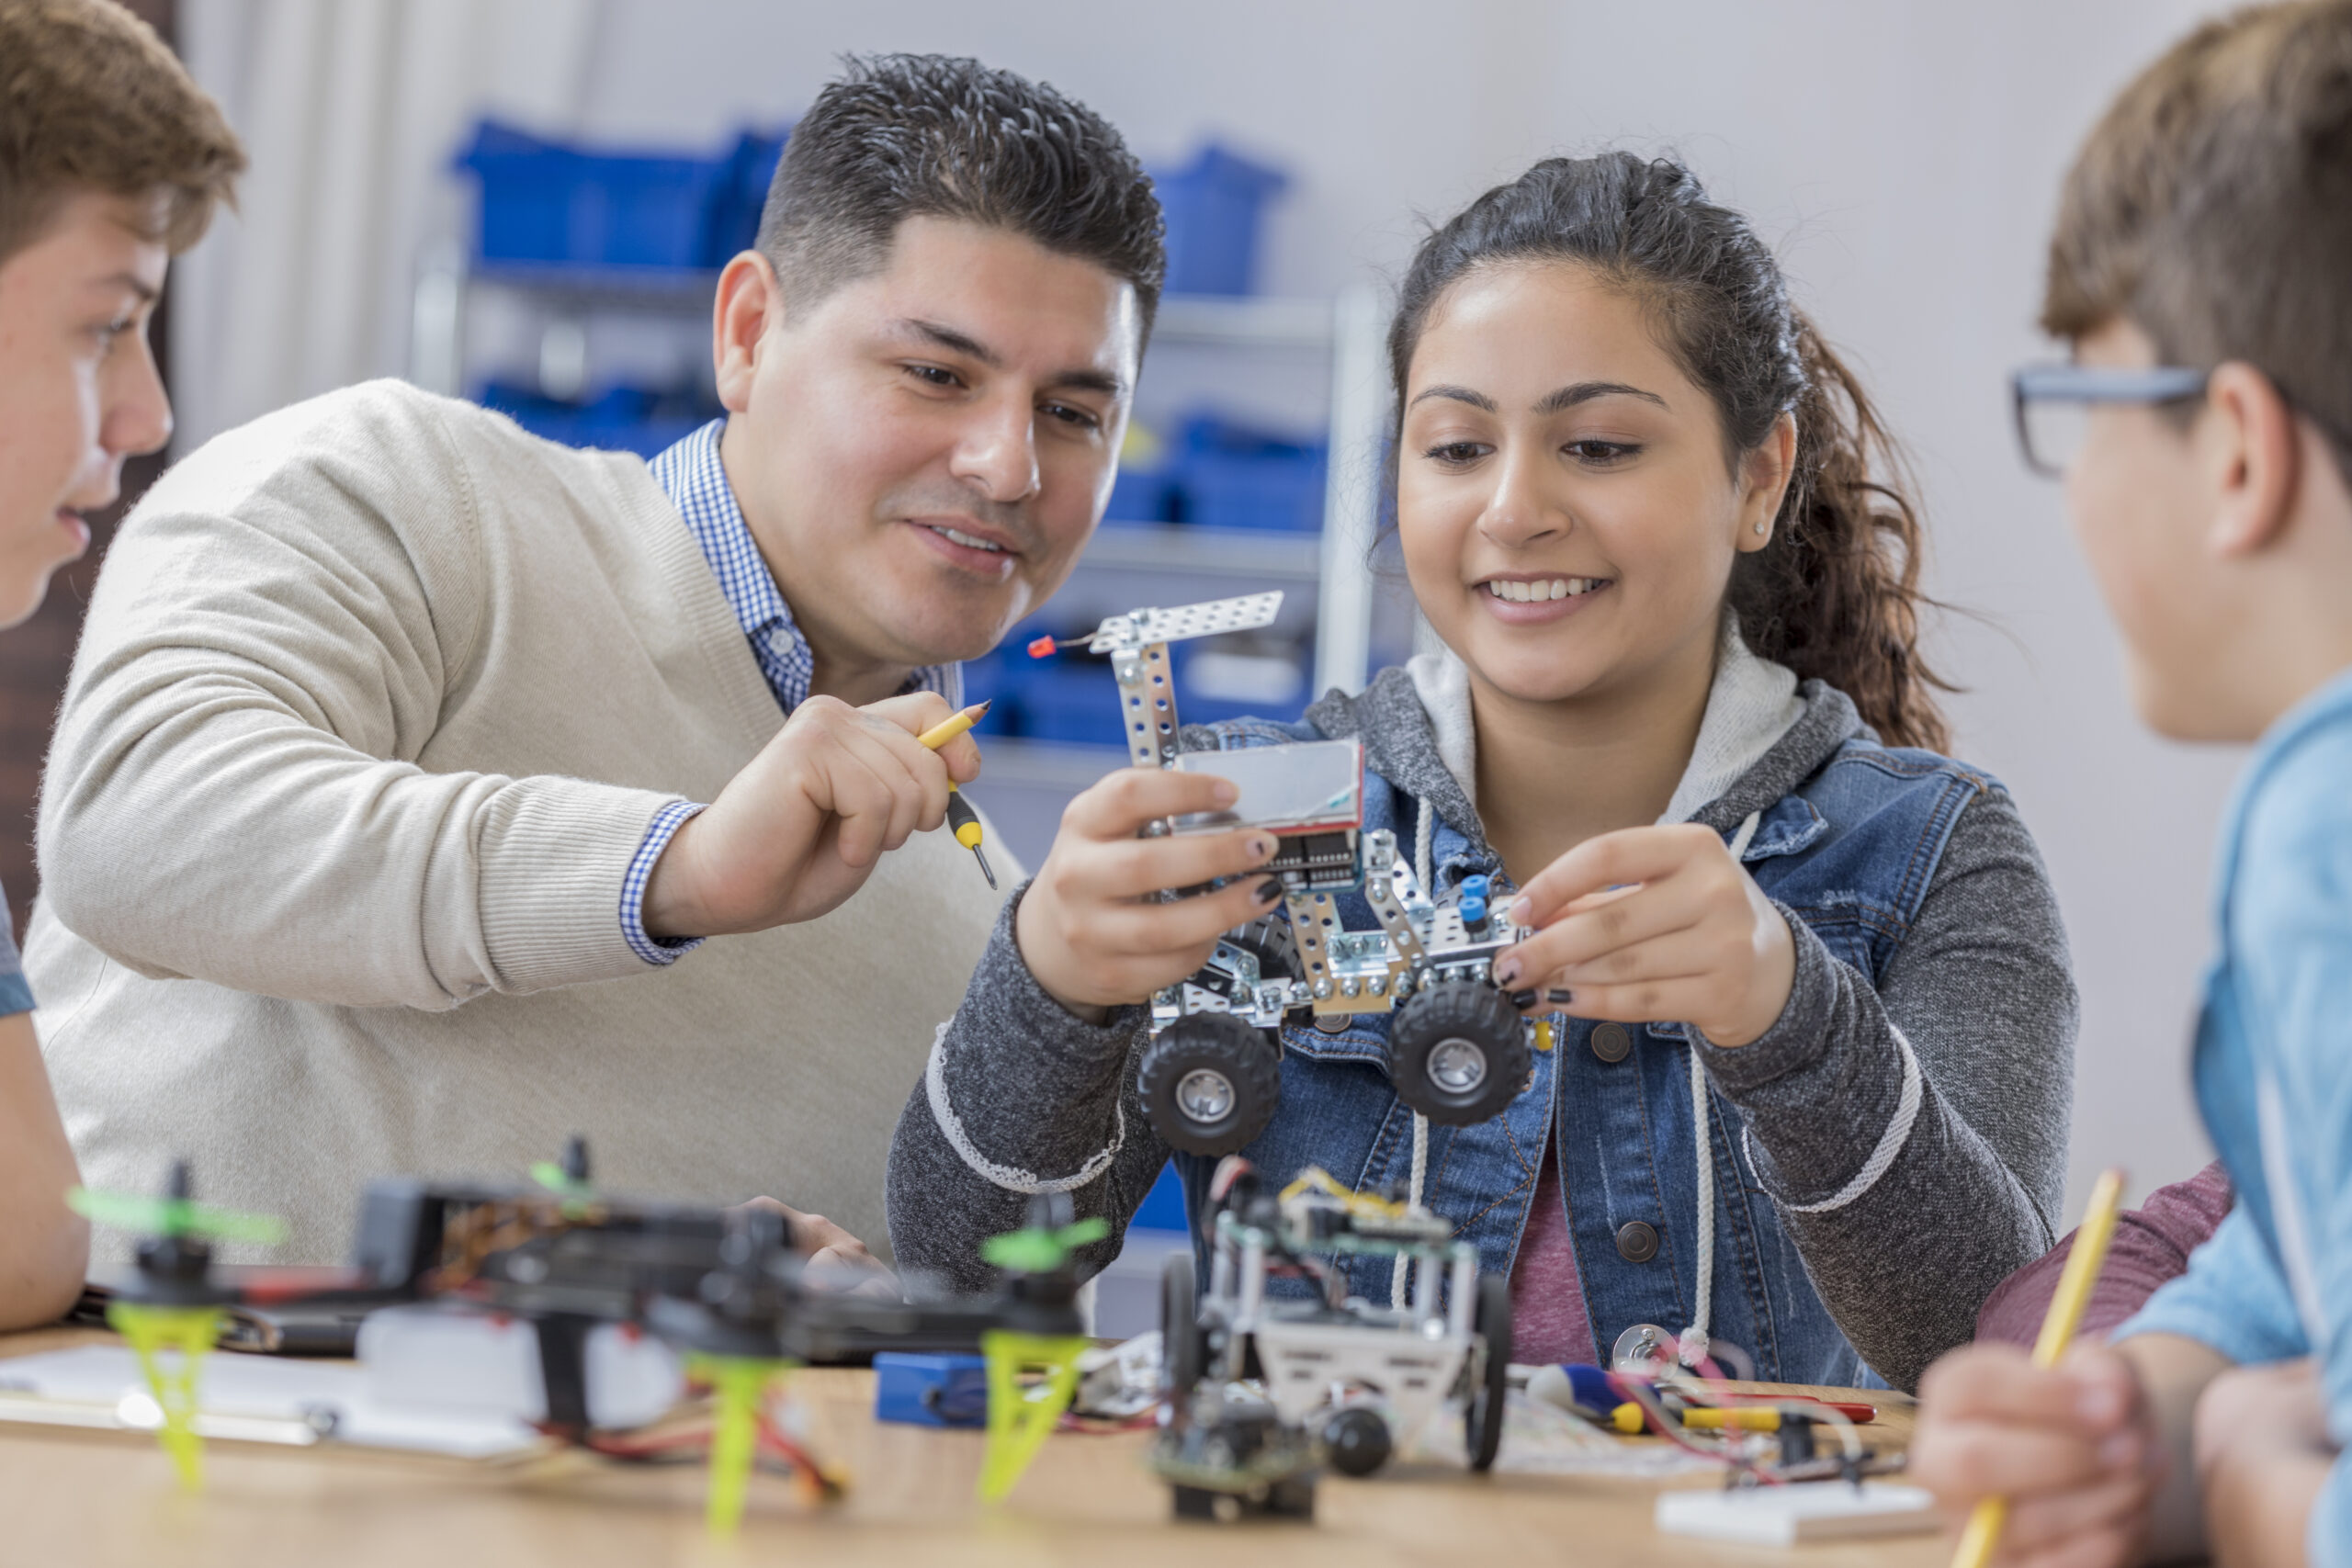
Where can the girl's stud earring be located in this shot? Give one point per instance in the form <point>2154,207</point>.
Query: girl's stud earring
<point>1760,527</point>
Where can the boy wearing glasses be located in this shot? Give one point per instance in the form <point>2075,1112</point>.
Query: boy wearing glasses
<point>2202,271</point>
<point>110,161</point>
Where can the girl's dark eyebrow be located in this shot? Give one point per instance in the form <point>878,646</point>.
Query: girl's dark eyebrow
<point>1457,394</point>
<point>1577,393</point>
<point>1567,396</point>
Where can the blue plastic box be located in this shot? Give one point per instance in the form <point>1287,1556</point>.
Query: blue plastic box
<point>1143,495</point>
<point>622,419</point>
<point>741,191</point>
<point>1073,699</point>
<point>548,204</point>
<point>931,1391</point>
<point>1213,206</point>
<point>1234,477</point>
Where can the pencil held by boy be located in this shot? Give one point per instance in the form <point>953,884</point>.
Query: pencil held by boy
<point>2202,272</point>
<point>111,161</point>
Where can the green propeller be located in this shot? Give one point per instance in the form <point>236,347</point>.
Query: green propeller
<point>555,1179</point>
<point>1036,1249</point>
<point>174,1217</point>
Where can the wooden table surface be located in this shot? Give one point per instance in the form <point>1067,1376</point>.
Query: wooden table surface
<point>99,1498</point>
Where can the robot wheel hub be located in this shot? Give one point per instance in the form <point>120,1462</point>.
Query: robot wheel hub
<point>1204,1096</point>
<point>1457,1065</point>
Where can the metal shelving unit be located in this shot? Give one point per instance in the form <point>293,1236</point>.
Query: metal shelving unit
<point>1029,780</point>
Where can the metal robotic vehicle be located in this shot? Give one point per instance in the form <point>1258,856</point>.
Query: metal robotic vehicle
<point>1211,1077</point>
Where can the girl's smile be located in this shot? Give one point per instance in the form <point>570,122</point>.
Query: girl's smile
<point>1522,599</point>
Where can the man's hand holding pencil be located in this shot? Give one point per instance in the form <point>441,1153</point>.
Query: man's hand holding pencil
<point>806,822</point>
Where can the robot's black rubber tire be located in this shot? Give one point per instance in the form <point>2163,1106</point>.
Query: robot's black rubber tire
<point>1196,1502</point>
<point>1356,1440</point>
<point>1293,1497</point>
<point>1210,1047</point>
<point>1446,1028</point>
<point>1482,1421</point>
<point>1183,1343</point>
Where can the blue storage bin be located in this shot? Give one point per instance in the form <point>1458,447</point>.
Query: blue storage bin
<point>1143,495</point>
<point>1073,699</point>
<point>740,193</point>
<point>542,202</point>
<point>1213,205</point>
<point>996,678</point>
<point>622,419</point>
<point>1233,476</point>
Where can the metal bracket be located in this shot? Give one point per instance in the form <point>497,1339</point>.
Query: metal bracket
<point>1139,628</point>
<point>1147,704</point>
<point>1395,895</point>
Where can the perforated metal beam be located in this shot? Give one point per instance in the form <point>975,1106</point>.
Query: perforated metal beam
<point>1139,628</point>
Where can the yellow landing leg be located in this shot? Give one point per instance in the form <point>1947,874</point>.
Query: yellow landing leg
<point>191,1331</point>
<point>740,1387</point>
<point>1022,1417</point>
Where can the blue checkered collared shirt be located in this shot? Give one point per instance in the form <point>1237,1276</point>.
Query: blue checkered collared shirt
<point>690,474</point>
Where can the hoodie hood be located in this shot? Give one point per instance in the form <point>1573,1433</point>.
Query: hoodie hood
<point>1402,741</point>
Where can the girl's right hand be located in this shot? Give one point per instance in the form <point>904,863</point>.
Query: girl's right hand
<point>1092,928</point>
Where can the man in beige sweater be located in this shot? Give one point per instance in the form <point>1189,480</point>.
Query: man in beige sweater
<point>370,837</point>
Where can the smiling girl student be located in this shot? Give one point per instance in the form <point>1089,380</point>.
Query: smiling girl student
<point>1635,499</point>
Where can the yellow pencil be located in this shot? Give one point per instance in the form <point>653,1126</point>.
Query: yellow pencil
<point>951,726</point>
<point>960,815</point>
<point>1984,1531</point>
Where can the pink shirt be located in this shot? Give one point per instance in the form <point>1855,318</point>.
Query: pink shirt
<point>2152,1245</point>
<point>1549,1323</point>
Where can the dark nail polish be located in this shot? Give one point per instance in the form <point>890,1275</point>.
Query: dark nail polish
<point>1523,1000</point>
<point>1506,973</point>
<point>1559,999</point>
<point>1270,890</point>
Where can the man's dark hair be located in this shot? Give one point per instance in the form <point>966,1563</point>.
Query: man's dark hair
<point>902,136</point>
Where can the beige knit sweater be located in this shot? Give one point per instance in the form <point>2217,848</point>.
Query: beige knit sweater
<point>377,698</point>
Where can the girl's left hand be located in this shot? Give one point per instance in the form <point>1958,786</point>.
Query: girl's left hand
<point>1654,923</point>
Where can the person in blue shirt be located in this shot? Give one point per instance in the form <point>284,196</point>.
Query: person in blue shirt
<point>2202,272</point>
<point>110,161</point>
<point>1806,975</point>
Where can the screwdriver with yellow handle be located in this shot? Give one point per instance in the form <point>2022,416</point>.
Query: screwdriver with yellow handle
<point>1629,1418</point>
<point>960,815</point>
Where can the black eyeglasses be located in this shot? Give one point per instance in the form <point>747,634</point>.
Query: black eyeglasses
<point>2052,400</point>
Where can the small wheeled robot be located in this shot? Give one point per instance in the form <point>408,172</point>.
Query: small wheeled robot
<point>1264,1391</point>
<point>1458,1050</point>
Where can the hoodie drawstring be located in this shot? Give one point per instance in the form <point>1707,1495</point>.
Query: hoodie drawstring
<point>1695,1340</point>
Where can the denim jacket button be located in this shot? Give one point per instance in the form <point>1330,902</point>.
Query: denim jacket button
<point>1637,1241</point>
<point>1609,1042</point>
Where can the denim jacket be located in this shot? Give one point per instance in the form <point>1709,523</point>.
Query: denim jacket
<point>2273,1069</point>
<point>1850,1187</point>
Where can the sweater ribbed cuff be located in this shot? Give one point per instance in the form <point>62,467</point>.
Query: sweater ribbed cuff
<point>555,853</point>
<point>1800,1037</point>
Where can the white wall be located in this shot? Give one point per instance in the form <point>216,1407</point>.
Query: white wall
<point>1904,156</point>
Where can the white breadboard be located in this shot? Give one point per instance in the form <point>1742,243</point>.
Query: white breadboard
<point>1808,1510</point>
